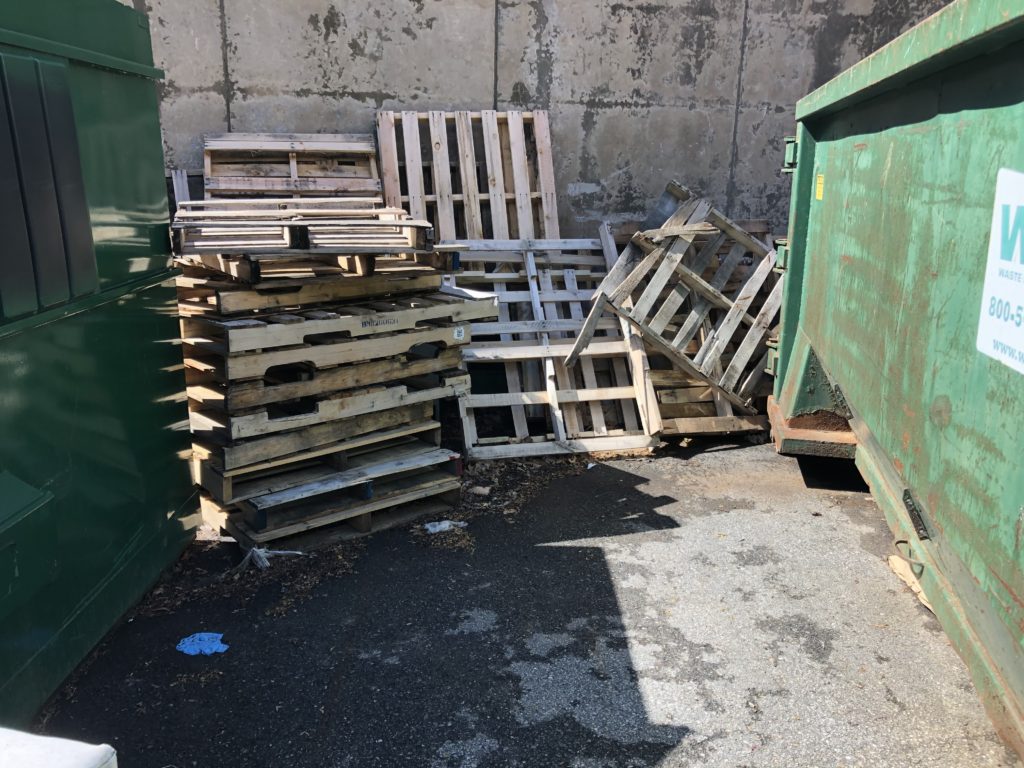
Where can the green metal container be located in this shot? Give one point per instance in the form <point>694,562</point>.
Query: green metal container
<point>93,493</point>
<point>904,315</point>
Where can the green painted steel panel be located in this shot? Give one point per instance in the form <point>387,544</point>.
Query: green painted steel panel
<point>890,221</point>
<point>115,140</point>
<point>93,421</point>
<point>95,497</point>
<point>101,32</point>
<point>123,164</point>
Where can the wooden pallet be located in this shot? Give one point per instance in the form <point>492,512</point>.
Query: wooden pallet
<point>276,164</point>
<point>349,320</point>
<point>320,439</point>
<point>232,486</point>
<point>603,404</point>
<point>204,292</point>
<point>220,426</point>
<point>475,175</point>
<point>375,484</point>
<point>668,286</point>
<point>283,226</point>
<point>257,376</point>
<point>688,406</point>
<point>206,355</point>
<point>301,384</point>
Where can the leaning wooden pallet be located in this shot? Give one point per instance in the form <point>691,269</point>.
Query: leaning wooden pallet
<point>312,398</point>
<point>604,404</point>
<point>281,164</point>
<point>676,296</point>
<point>475,175</point>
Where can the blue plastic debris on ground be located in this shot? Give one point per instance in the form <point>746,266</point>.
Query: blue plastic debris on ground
<point>202,643</point>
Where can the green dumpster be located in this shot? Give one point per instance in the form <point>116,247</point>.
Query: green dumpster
<point>902,333</point>
<point>93,493</point>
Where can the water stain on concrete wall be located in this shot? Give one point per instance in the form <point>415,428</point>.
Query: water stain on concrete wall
<point>639,92</point>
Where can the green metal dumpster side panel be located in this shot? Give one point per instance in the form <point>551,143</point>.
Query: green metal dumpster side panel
<point>106,49</point>
<point>106,33</point>
<point>123,165</point>
<point>91,417</point>
<point>95,498</point>
<point>885,284</point>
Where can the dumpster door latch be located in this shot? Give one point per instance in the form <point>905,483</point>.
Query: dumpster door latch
<point>781,256</point>
<point>789,161</point>
<point>914,510</point>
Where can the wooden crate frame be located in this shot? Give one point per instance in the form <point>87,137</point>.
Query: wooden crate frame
<point>657,285</point>
<point>479,175</point>
<point>282,164</point>
<point>540,311</point>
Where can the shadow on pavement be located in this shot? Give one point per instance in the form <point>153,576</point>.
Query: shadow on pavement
<point>513,654</point>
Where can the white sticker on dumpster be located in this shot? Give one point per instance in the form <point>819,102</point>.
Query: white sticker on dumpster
<point>1001,325</point>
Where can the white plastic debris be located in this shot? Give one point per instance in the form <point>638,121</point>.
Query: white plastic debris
<point>591,465</point>
<point>443,525</point>
<point>260,557</point>
<point>480,490</point>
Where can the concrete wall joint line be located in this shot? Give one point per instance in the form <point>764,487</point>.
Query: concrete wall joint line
<point>225,53</point>
<point>734,148</point>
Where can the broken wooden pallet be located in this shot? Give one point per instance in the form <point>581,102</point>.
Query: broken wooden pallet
<point>604,404</point>
<point>475,175</point>
<point>706,331</point>
<point>276,164</point>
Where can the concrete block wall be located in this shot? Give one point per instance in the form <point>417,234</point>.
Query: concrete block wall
<point>639,92</point>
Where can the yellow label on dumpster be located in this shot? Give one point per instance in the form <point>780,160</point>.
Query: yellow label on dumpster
<point>819,186</point>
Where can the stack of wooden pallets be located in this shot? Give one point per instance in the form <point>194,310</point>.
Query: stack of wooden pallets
<point>317,342</point>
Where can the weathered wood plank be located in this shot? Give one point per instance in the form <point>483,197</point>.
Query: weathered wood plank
<point>413,165</point>
<point>468,172</point>
<point>545,176</point>
<point>389,159</point>
<point>442,174</point>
